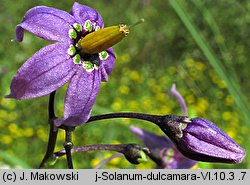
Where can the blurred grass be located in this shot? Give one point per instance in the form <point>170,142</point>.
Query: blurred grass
<point>156,54</point>
<point>225,75</point>
<point>12,160</point>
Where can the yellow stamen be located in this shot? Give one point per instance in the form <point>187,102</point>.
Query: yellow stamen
<point>103,39</point>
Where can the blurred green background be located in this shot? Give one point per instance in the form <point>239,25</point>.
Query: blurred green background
<point>202,46</point>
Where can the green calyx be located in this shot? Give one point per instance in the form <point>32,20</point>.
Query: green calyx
<point>143,158</point>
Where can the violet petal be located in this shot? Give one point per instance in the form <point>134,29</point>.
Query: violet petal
<point>159,147</point>
<point>203,139</point>
<point>47,70</point>
<point>209,132</point>
<point>206,151</point>
<point>107,65</point>
<point>151,140</point>
<point>45,22</point>
<point>81,94</point>
<point>83,13</point>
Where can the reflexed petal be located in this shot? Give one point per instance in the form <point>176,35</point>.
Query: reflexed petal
<point>107,65</point>
<point>83,13</point>
<point>163,151</point>
<point>45,22</point>
<point>47,70</point>
<point>151,140</point>
<point>81,94</point>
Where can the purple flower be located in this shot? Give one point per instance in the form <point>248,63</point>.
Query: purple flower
<point>162,151</point>
<point>54,65</point>
<point>201,140</point>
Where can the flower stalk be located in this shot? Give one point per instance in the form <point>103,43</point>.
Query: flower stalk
<point>147,117</point>
<point>134,153</point>
<point>52,133</point>
<point>68,145</point>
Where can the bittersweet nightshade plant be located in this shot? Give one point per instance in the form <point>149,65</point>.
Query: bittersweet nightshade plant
<point>162,151</point>
<point>65,60</point>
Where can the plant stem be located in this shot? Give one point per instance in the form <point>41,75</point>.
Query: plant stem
<point>68,146</point>
<point>117,148</point>
<point>166,123</point>
<point>52,133</point>
<point>132,152</point>
<point>148,117</point>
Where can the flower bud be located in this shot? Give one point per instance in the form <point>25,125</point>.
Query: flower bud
<point>102,39</point>
<point>201,140</point>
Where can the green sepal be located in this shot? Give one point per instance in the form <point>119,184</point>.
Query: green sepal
<point>143,158</point>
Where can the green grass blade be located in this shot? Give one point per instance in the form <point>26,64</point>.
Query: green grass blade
<point>231,84</point>
<point>210,20</point>
<point>13,161</point>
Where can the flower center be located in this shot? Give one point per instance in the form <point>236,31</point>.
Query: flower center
<point>89,62</point>
<point>91,42</point>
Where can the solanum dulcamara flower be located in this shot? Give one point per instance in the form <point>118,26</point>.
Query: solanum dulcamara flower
<point>81,55</point>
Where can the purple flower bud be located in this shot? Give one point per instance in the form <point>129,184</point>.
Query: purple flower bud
<point>201,140</point>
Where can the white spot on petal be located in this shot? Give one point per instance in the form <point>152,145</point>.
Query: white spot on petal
<point>103,55</point>
<point>71,50</point>
<point>88,66</point>
<point>88,26</point>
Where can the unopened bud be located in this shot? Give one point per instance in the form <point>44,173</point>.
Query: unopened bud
<point>201,140</point>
